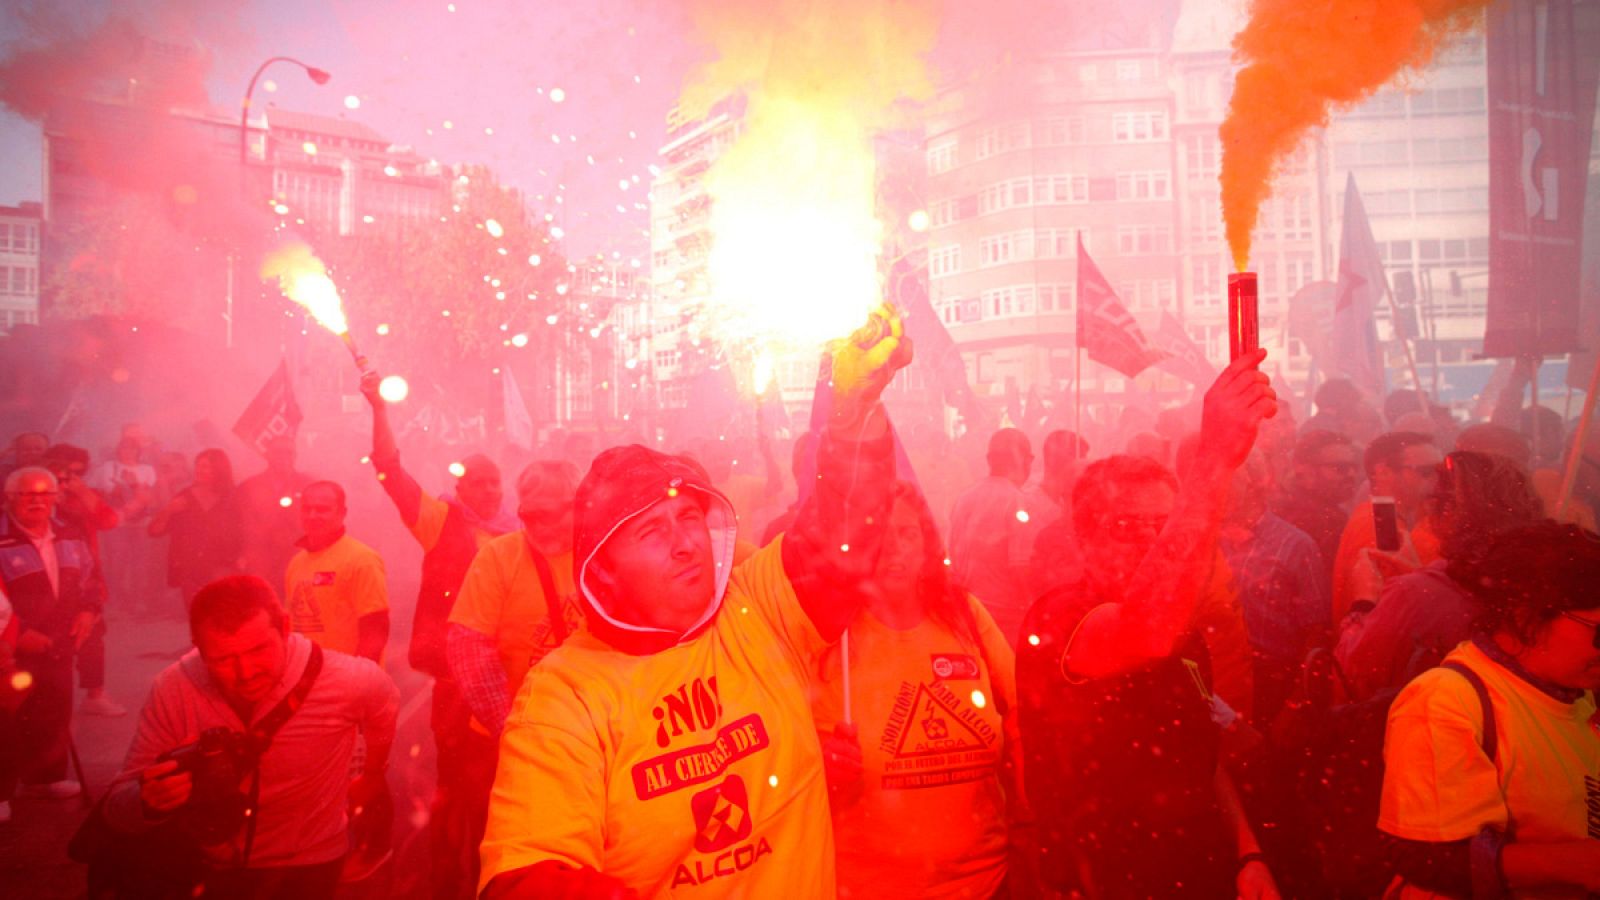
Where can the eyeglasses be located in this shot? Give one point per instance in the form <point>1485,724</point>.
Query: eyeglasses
<point>33,495</point>
<point>1125,529</point>
<point>1589,622</point>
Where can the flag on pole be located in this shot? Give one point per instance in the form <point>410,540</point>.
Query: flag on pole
<point>1353,344</point>
<point>1105,327</point>
<point>1184,358</point>
<point>272,414</point>
<point>519,425</point>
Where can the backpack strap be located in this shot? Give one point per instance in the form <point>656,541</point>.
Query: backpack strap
<point>552,600</point>
<point>1489,736</point>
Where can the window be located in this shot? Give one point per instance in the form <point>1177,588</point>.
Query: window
<point>1206,280</point>
<point>997,249</point>
<point>1060,189</point>
<point>1002,139</point>
<point>1012,300</point>
<point>1138,127</point>
<point>1201,152</point>
<point>1143,186</point>
<point>1295,216</point>
<point>1132,239</point>
<point>944,261</point>
<point>1056,297</point>
<point>1005,195</point>
<point>1060,132</point>
<point>941,157</point>
<point>1053,243</point>
<point>1147,294</point>
<point>1128,71</point>
<point>1205,222</point>
<point>941,213</point>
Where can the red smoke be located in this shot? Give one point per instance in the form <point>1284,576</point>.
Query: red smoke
<point>1301,59</point>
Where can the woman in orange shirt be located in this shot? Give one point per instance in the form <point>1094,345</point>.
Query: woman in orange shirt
<point>915,709</point>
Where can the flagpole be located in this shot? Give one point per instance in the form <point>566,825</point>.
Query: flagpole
<point>1569,479</point>
<point>1405,343</point>
<point>1077,391</point>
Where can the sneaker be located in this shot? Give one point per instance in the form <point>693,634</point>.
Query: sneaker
<point>5,811</point>
<point>101,705</point>
<point>55,790</point>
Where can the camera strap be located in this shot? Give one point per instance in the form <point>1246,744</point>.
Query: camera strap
<point>261,738</point>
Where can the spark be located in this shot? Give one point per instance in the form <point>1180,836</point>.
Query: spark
<point>519,340</point>
<point>351,101</point>
<point>393,388</point>
<point>1033,640</point>
<point>979,700</point>
<point>383,329</point>
<point>285,502</point>
<point>1022,516</point>
<point>309,148</point>
<point>457,469</point>
<point>557,95</point>
<point>918,221</point>
<point>494,228</point>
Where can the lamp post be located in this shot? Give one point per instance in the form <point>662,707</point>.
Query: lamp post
<point>318,76</point>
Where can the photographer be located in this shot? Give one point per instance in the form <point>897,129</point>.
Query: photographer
<point>250,720</point>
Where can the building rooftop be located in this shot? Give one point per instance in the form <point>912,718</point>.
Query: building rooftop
<point>311,123</point>
<point>1209,27</point>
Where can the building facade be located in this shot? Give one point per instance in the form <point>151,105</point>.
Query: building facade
<point>19,265</point>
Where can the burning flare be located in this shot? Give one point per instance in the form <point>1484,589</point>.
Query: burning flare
<point>304,279</point>
<point>796,235</point>
<point>1303,59</point>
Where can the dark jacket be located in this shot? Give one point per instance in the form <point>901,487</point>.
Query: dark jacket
<point>37,606</point>
<point>444,566</point>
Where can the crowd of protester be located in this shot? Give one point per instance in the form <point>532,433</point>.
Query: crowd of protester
<point>1199,667</point>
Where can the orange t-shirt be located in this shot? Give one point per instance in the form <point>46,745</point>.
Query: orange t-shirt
<point>927,706</point>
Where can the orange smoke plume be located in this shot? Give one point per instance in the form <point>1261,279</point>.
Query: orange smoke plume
<point>1300,61</point>
<point>795,232</point>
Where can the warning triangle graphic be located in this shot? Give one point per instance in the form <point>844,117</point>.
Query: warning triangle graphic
<point>935,729</point>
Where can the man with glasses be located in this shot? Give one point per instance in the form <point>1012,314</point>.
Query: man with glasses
<point>1120,722</point>
<point>1400,464</point>
<point>1327,470</point>
<point>47,571</point>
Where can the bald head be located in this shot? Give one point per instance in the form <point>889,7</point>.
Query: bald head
<point>1010,455</point>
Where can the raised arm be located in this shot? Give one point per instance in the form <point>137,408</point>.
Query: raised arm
<point>833,546</point>
<point>1160,601</point>
<point>402,489</point>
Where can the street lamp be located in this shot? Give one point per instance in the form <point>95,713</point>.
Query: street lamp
<point>317,75</point>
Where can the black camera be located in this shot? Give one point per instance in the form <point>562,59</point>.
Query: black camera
<point>218,762</point>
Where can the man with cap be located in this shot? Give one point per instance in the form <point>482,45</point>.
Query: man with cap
<point>670,745</point>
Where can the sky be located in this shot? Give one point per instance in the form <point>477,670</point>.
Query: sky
<point>463,82</point>
<point>478,81</point>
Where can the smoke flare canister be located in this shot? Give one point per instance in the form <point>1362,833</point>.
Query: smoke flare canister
<point>1244,327</point>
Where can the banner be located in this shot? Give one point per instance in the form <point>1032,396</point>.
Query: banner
<point>1353,345</point>
<point>1543,70</point>
<point>272,414</point>
<point>1184,358</point>
<point>1105,327</point>
<point>519,425</point>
